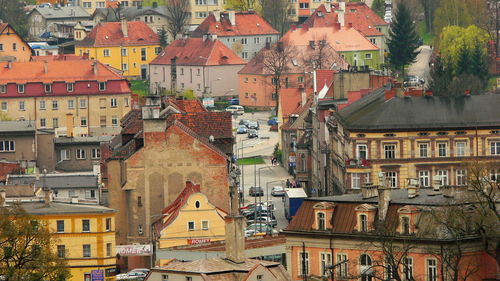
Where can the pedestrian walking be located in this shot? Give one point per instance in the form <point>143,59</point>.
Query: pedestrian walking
<point>287,183</point>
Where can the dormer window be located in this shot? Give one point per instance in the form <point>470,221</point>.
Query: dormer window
<point>70,87</point>
<point>48,88</point>
<point>3,89</point>
<point>320,217</point>
<point>407,215</point>
<point>363,223</point>
<point>20,88</point>
<point>102,86</point>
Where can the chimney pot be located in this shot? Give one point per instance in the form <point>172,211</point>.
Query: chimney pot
<point>124,27</point>
<point>368,190</point>
<point>47,195</point>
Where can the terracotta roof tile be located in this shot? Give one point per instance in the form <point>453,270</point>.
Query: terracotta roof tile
<point>59,57</point>
<point>291,98</point>
<point>219,246</point>
<point>186,105</point>
<point>247,23</point>
<point>196,51</point>
<point>324,77</point>
<point>172,210</point>
<point>206,124</point>
<point>110,34</point>
<point>56,70</point>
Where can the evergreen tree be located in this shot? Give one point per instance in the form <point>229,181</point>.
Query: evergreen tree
<point>463,61</point>
<point>378,6</point>
<point>163,36</point>
<point>478,62</point>
<point>12,12</point>
<point>403,40</point>
<point>440,77</point>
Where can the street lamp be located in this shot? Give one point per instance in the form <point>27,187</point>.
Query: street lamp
<point>260,197</point>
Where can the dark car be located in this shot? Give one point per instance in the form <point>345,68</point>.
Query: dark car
<point>242,129</point>
<point>252,134</point>
<point>244,122</point>
<point>234,101</point>
<point>273,121</point>
<point>253,125</point>
<point>256,191</point>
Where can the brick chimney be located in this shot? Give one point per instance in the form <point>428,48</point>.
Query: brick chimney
<point>235,225</point>
<point>384,198</point>
<point>368,190</point>
<point>124,27</point>
<point>341,13</point>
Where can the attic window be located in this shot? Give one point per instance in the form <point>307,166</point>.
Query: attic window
<point>224,58</point>
<point>389,135</point>
<point>423,134</point>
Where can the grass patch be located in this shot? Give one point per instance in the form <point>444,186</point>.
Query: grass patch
<point>492,83</point>
<point>139,87</point>
<point>251,161</point>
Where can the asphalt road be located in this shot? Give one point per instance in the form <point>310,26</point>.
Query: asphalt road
<point>269,175</point>
<point>420,67</point>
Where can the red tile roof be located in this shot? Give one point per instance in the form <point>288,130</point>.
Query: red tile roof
<point>196,51</point>
<point>3,26</point>
<point>247,23</point>
<point>50,71</point>
<point>59,57</point>
<point>110,34</point>
<point>206,124</point>
<point>291,99</point>
<point>186,105</point>
<point>324,77</point>
<point>358,14</point>
<point>250,243</point>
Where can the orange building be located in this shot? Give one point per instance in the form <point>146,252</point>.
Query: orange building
<point>12,46</point>
<point>380,233</point>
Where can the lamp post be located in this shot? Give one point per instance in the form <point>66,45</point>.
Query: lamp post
<point>260,197</point>
<point>267,191</point>
<point>242,173</point>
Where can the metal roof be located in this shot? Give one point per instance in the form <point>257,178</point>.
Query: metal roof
<point>40,208</point>
<point>17,126</point>
<point>62,12</point>
<point>63,180</point>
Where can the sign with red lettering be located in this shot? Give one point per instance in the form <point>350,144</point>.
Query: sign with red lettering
<point>198,241</point>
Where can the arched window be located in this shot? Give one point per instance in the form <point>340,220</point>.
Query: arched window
<point>363,223</point>
<point>405,225</point>
<point>321,221</point>
<point>365,268</point>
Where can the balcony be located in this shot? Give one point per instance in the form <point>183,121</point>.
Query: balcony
<point>358,163</point>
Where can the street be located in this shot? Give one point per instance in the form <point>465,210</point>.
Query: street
<point>420,67</point>
<point>269,175</point>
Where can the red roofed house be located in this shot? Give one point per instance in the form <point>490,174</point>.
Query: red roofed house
<point>161,148</point>
<point>357,14</point>
<point>127,46</point>
<point>47,91</point>
<point>246,33</point>
<point>190,219</point>
<point>204,65</point>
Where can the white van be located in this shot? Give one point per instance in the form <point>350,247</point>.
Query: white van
<point>236,109</point>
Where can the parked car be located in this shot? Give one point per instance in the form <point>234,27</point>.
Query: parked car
<point>242,129</point>
<point>236,109</point>
<point>234,101</point>
<point>252,134</point>
<point>273,121</point>
<point>244,122</point>
<point>412,80</point>
<point>268,205</point>
<point>253,125</point>
<point>278,191</point>
<point>259,214</point>
<point>263,219</point>
<point>134,274</point>
<point>256,191</point>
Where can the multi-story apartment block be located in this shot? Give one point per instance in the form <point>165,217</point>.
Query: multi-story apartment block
<point>200,10</point>
<point>84,235</point>
<point>300,10</point>
<point>55,22</point>
<point>429,138</point>
<point>204,65</point>
<point>91,5</point>
<point>46,91</point>
<point>155,18</point>
<point>127,46</point>
<point>12,46</point>
<point>246,33</point>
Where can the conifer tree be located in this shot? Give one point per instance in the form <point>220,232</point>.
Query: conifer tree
<point>403,40</point>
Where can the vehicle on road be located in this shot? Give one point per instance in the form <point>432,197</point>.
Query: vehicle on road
<point>278,191</point>
<point>236,109</point>
<point>268,205</point>
<point>234,101</point>
<point>412,80</point>
<point>253,125</point>
<point>252,134</point>
<point>242,129</point>
<point>135,274</point>
<point>273,121</point>
<point>259,214</point>
<point>263,219</point>
<point>293,199</point>
<point>256,191</point>
<point>244,122</point>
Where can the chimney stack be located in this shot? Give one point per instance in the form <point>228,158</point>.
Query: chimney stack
<point>45,67</point>
<point>124,27</point>
<point>217,15</point>
<point>328,8</point>
<point>69,125</point>
<point>47,195</point>
<point>448,191</point>
<point>232,17</point>
<point>384,198</point>
<point>368,190</point>
<point>413,188</point>
<point>94,67</point>
<point>340,12</point>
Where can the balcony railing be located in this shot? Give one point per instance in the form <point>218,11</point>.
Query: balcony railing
<point>358,163</point>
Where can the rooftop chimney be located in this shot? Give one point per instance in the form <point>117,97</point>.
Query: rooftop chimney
<point>328,8</point>
<point>217,15</point>
<point>69,125</point>
<point>448,191</point>
<point>413,188</point>
<point>94,67</point>
<point>235,225</point>
<point>124,27</point>
<point>368,190</point>
<point>384,198</point>
<point>45,67</point>
<point>47,195</point>
<point>340,13</point>
<point>232,17</point>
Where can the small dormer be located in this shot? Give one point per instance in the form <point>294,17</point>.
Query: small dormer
<point>407,216</point>
<point>365,217</point>
<point>323,213</point>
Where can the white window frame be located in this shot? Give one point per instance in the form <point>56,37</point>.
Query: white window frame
<point>431,270</point>
<point>71,104</point>
<point>321,222</point>
<point>368,56</point>
<point>42,105</point>
<point>47,88</point>
<point>65,154</point>
<point>460,150</point>
<point>388,151</point>
<point>359,149</point>
<point>303,255</point>
<point>114,121</point>
<point>7,146</point>
<point>106,52</point>
<point>70,87</point>
<point>43,122</point>
<point>461,177</point>
<point>205,225</point>
<point>355,180</point>
<point>424,178</point>
<point>444,177</point>
<point>80,154</point>
<point>87,250</point>
<point>440,146</point>
<point>393,177</point>
<point>325,259</point>
<point>4,106</point>
<point>21,88</point>
<point>495,147</point>
<point>102,86</point>
<point>55,105</point>
<point>363,222</point>
<point>83,103</point>
<point>114,102</point>
<point>96,153</point>
<point>83,121</point>
<point>423,147</point>
<point>22,106</point>
<point>343,269</point>
<point>407,270</point>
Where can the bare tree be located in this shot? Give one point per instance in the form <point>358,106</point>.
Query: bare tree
<point>275,61</point>
<point>322,55</point>
<point>177,16</point>
<point>276,13</point>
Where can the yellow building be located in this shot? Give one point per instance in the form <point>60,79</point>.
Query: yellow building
<point>91,5</point>
<point>190,219</point>
<point>126,46</point>
<point>47,91</point>
<point>85,236</point>
<point>427,138</point>
<point>200,9</point>
<point>12,46</point>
